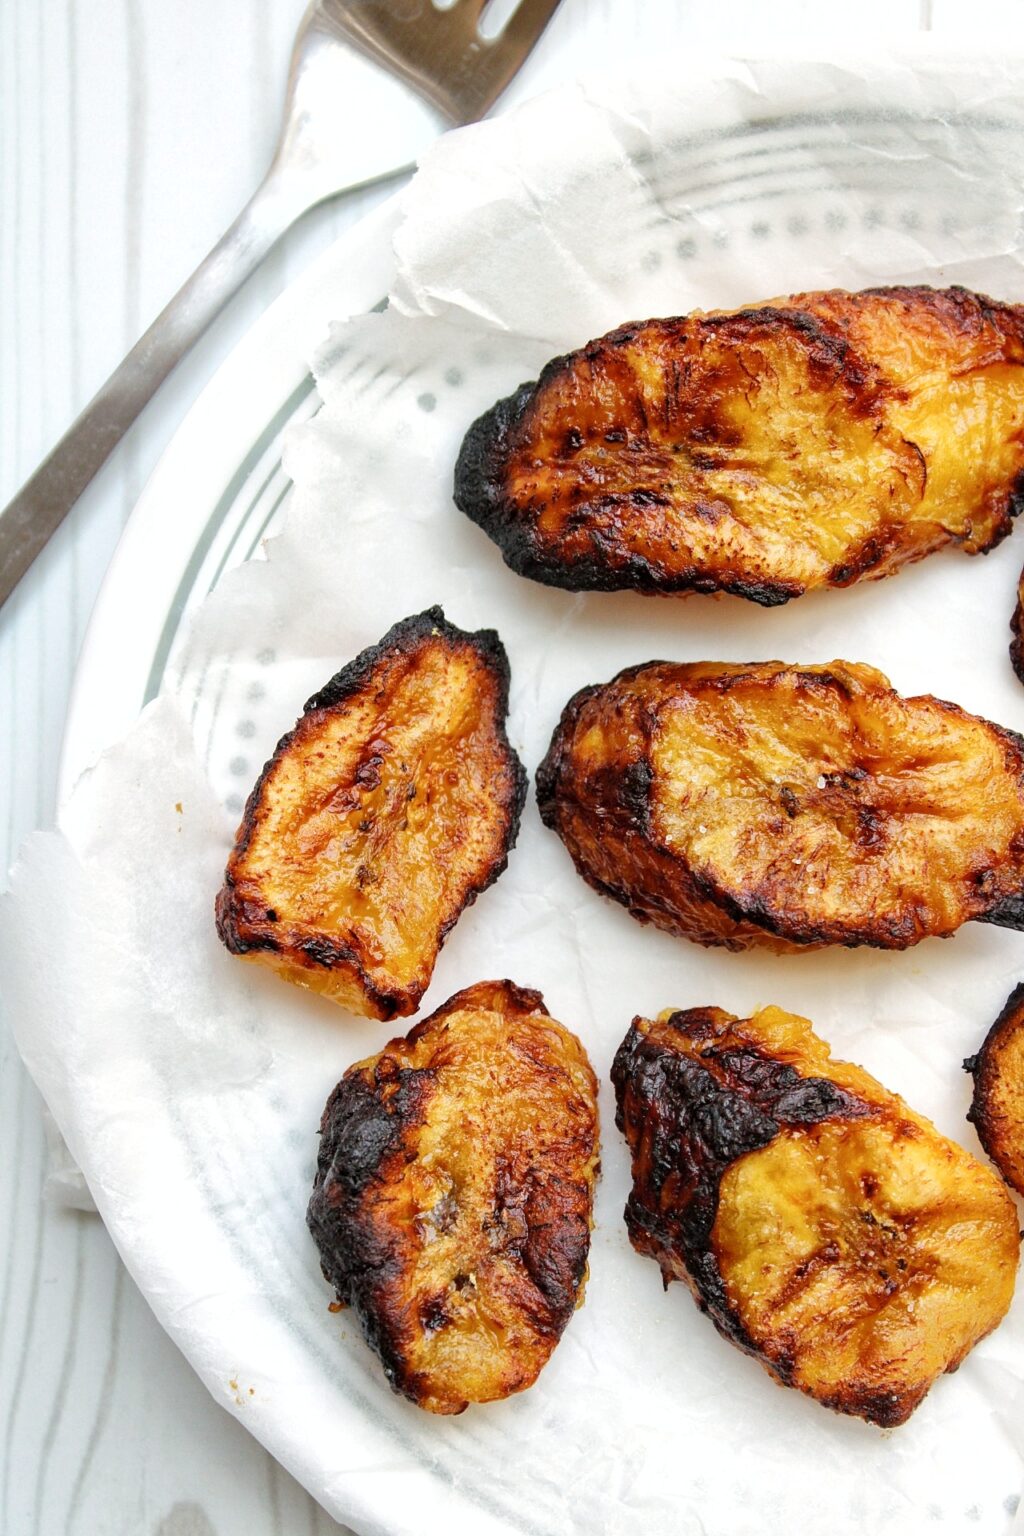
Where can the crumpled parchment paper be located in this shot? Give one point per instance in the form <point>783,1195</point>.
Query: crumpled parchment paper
<point>189,1086</point>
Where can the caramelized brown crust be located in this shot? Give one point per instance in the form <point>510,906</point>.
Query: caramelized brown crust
<point>826,1228</point>
<point>997,1108</point>
<point>453,1196</point>
<point>812,442</point>
<point>1017,630</point>
<point>789,806</point>
<point>379,819</point>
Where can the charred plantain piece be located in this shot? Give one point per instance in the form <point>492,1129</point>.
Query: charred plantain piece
<point>826,1228</point>
<point>379,819</point>
<point>997,1109</point>
<point>453,1195</point>
<point>792,806</point>
<point>815,441</point>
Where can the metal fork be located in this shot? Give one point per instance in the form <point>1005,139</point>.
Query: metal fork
<point>456,75</point>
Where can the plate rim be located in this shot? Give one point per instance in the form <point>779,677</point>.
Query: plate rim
<point>261,372</point>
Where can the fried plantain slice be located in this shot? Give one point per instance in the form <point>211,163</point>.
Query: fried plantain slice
<point>997,1108</point>
<point>379,819</point>
<point>812,442</point>
<point>453,1195</point>
<point>826,1228</point>
<point>793,806</point>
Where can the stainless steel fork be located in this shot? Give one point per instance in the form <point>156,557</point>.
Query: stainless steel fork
<point>456,75</point>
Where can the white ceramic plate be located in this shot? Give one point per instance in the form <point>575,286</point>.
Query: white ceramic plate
<point>218,489</point>
<point>216,493</point>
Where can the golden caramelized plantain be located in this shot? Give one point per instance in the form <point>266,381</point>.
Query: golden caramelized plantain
<point>453,1195</point>
<point>997,1109</point>
<point>826,1228</point>
<point>812,442</point>
<point>380,817</point>
<point>786,805</point>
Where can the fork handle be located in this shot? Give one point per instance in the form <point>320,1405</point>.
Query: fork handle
<point>46,498</point>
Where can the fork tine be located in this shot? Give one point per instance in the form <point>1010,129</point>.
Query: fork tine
<point>440,54</point>
<point>525,25</point>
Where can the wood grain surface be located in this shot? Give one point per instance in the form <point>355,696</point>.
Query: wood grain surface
<point>131,131</point>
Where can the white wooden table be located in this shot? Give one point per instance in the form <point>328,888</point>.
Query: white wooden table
<point>130,133</point>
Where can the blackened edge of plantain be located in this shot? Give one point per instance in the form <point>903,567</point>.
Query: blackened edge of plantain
<point>402,638</point>
<point>362,1132</point>
<point>1008,913</point>
<point>1017,630</point>
<point>685,1124</point>
<point>478,468</point>
<point>359,1133</point>
<point>479,473</point>
<point>632,794</point>
<point>983,1068</point>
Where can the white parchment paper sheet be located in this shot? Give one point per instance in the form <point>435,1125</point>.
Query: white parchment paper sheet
<point>189,1086</point>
